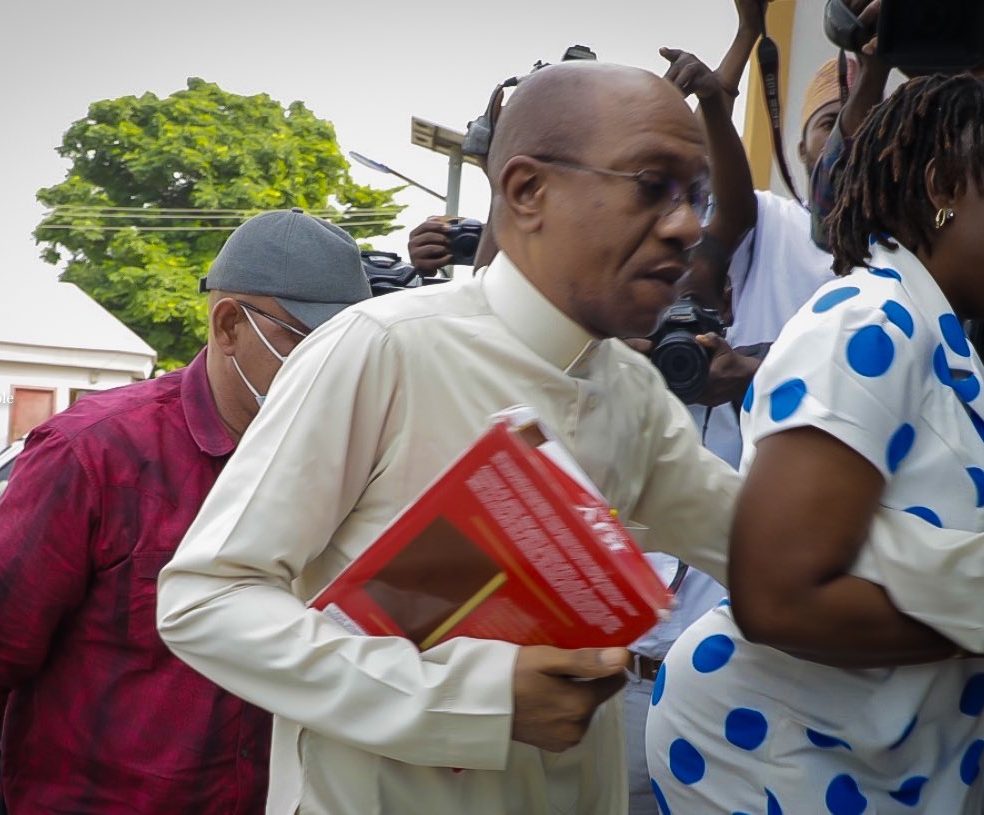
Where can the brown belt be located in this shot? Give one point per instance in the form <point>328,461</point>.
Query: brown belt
<point>644,667</point>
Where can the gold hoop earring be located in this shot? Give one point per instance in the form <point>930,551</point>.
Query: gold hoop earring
<point>944,216</point>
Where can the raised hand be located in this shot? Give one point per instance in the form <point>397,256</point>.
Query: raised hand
<point>691,75</point>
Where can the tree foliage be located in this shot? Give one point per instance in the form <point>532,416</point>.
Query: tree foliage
<point>156,186</point>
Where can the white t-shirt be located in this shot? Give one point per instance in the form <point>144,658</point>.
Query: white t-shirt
<point>775,270</point>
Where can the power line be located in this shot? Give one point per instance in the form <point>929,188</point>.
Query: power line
<point>155,217</point>
<point>192,211</point>
<point>133,228</point>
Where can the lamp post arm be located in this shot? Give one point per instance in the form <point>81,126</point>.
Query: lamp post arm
<point>413,183</point>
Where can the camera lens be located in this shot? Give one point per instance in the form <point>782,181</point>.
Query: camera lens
<point>465,246</point>
<point>683,363</point>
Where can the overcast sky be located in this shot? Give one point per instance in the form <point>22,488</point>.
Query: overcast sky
<point>365,66</point>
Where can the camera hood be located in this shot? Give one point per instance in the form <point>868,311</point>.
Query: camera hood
<point>931,36</point>
<point>915,36</point>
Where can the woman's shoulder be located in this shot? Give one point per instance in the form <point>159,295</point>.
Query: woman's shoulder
<point>851,363</point>
<point>867,298</point>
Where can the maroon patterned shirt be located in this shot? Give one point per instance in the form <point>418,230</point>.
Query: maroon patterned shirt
<point>101,718</point>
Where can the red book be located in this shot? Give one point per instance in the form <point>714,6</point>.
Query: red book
<point>511,542</point>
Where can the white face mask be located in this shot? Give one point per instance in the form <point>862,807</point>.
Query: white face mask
<point>259,397</point>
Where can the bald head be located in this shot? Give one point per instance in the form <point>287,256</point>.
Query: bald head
<point>598,174</point>
<point>559,110</point>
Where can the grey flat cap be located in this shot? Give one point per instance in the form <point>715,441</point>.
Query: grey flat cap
<point>312,267</point>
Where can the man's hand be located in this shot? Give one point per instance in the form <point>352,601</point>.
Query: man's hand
<point>428,247</point>
<point>869,87</point>
<point>729,374</point>
<point>691,75</point>
<point>706,279</point>
<point>867,14</point>
<point>556,692</point>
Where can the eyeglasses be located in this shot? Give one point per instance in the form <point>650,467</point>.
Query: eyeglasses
<point>659,190</point>
<point>284,325</point>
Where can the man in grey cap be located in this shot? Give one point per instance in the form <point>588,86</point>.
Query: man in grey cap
<point>280,274</point>
<point>101,718</point>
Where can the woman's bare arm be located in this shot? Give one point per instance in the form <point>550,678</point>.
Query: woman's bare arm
<point>802,517</point>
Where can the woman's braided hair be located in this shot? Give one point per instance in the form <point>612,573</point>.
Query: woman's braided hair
<point>882,189</point>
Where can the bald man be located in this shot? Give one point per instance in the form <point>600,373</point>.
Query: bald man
<point>599,191</point>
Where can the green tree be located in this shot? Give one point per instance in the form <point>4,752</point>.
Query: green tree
<point>156,186</point>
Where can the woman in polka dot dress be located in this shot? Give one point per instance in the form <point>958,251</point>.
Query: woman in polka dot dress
<point>826,699</point>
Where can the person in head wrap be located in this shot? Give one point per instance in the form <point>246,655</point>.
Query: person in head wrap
<point>821,107</point>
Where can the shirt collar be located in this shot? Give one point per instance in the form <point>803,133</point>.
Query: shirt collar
<point>201,414</point>
<point>533,319</point>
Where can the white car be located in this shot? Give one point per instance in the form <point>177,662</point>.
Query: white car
<point>7,458</point>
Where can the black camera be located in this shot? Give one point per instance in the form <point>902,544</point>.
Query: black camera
<point>683,362</point>
<point>573,52</point>
<point>478,136</point>
<point>578,52</point>
<point>916,36</point>
<point>464,235</point>
<point>387,273</point>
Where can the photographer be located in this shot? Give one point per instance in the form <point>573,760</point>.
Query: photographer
<point>444,240</point>
<point>775,268</point>
<point>756,260</point>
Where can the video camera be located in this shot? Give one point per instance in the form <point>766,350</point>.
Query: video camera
<point>916,36</point>
<point>684,363</point>
<point>388,273</point>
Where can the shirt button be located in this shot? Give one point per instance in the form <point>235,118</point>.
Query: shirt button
<point>244,753</point>
<point>592,401</point>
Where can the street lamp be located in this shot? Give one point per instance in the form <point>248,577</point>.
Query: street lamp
<point>379,167</point>
<point>448,143</point>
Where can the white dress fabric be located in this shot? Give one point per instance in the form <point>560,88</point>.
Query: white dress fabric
<point>878,360</point>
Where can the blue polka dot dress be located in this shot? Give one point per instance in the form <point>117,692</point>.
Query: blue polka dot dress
<point>878,360</point>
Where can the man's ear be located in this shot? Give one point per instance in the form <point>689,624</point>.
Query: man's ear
<point>224,320</point>
<point>802,151</point>
<point>523,188</point>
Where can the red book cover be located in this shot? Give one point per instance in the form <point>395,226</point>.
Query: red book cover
<point>506,544</point>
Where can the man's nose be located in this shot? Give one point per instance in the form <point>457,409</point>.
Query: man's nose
<point>681,225</point>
